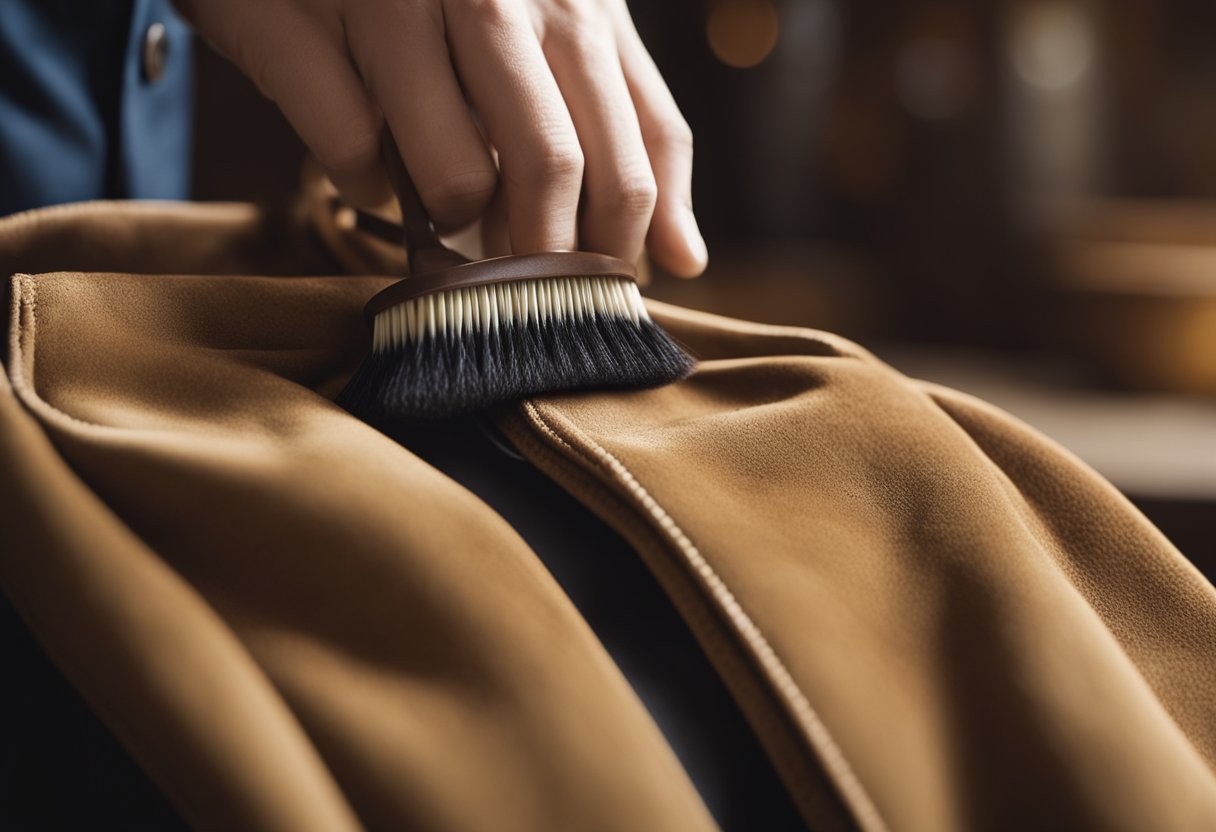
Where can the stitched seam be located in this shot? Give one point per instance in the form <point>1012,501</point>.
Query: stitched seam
<point>706,621</point>
<point>840,347</point>
<point>23,345</point>
<point>13,335</point>
<point>829,751</point>
<point>23,342</point>
<point>121,721</point>
<point>32,291</point>
<point>20,222</point>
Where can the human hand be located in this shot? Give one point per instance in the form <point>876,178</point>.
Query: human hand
<point>574,112</point>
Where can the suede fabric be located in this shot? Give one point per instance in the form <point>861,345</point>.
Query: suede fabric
<point>932,617</point>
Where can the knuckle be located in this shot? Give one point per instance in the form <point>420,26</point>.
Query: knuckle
<point>558,164</point>
<point>489,11</point>
<point>577,23</point>
<point>675,135</point>
<point>635,196</point>
<point>462,195</point>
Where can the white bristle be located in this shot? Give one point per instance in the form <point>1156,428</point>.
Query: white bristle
<point>522,303</point>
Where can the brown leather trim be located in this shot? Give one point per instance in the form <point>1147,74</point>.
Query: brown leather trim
<point>549,264</point>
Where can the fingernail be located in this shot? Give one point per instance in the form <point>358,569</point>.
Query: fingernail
<point>692,237</point>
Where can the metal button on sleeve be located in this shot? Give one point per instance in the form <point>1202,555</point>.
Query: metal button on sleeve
<point>155,52</point>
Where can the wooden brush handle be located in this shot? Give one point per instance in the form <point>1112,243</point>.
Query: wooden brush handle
<point>423,248</point>
<point>434,267</point>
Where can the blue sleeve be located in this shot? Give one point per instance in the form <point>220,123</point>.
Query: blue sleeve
<point>81,117</point>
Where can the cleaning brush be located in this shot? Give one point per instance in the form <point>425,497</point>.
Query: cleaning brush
<point>459,335</point>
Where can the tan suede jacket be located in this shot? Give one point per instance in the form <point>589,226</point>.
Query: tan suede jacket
<point>932,617</point>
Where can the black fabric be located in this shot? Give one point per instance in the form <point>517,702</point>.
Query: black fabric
<point>60,768</point>
<point>632,617</point>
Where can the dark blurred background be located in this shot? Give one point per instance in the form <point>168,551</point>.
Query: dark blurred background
<point>1013,197</point>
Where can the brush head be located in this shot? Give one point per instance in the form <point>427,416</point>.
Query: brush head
<point>466,348</point>
<point>458,336</point>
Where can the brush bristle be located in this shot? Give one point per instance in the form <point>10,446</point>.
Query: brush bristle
<point>466,349</point>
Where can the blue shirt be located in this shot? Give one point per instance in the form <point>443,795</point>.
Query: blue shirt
<point>81,117</point>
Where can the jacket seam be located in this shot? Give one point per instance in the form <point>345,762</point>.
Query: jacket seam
<point>706,621</point>
<point>21,221</point>
<point>23,348</point>
<point>828,750</point>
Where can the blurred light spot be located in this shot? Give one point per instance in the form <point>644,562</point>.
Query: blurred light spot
<point>810,45</point>
<point>935,78</point>
<point>742,33</point>
<point>1052,44</point>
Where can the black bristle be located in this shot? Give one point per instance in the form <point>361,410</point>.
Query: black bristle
<point>438,377</point>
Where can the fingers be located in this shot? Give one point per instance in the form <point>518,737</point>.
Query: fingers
<point>296,61</point>
<point>619,187</point>
<point>495,232</point>
<point>402,54</point>
<point>513,90</point>
<point>674,239</point>
<point>616,109</point>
